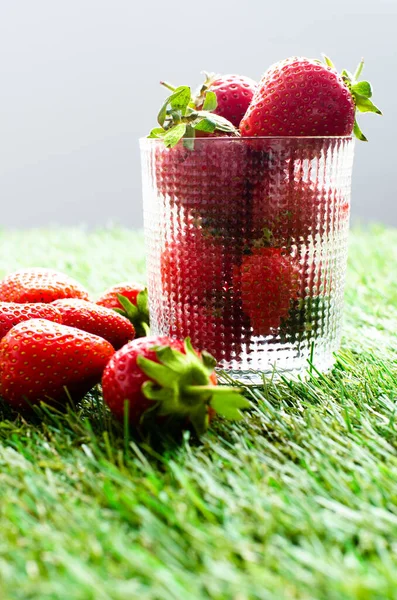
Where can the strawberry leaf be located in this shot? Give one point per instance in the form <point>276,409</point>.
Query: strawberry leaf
<point>220,123</point>
<point>361,92</point>
<point>365,104</point>
<point>138,315</point>
<point>142,303</point>
<point>152,391</point>
<point>174,134</point>
<point>229,405</point>
<point>210,101</point>
<point>363,88</point>
<point>206,124</point>
<point>171,358</point>
<point>347,75</point>
<point>157,132</point>
<point>181,385</point>
<point>188,141</point>
<point>162,115</point>
<point>328,62</point>
<point>358,133</point>
<point>208,360</point>
<point>180,99</point>
<point>130,309</point>
<point>160,374</point>
<point>179,117</point>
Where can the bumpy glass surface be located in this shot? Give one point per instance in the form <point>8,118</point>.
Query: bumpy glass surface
<point>247,247</point>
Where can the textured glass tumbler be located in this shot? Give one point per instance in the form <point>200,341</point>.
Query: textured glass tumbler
<point>246,248</point>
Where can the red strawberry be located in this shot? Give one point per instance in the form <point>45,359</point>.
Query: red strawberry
<point>223,331</point>
<point>268,280</point>
<point>98,320</point>
<point>109,298</point>
<point>205,175</point>
<point>233,94</point>
<point>183,115</point>
<point>290,198</point>
<point>160,377</point>
<point>195,268</point>
<point>38,359</point>
<point>12,313</point>
<point>131,301</point>
<point>211,180</point>
<point>289,212</point>
<point>303,97</point>
<point>39,285</point>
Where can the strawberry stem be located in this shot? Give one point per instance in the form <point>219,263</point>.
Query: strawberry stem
<point>196,390</point>
<point>168,86</point>
<point>359,69</point>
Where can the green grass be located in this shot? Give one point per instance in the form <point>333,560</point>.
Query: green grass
<point>298,501</point>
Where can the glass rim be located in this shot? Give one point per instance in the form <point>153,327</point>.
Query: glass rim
<point>256,137</point>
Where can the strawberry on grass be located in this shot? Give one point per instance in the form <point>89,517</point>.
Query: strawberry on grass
<point>131,301</point>
<point>12,313</point>
<point>44,361</point>
<point>39,285</point>
<point>98,320</point>
<point>152,378</point>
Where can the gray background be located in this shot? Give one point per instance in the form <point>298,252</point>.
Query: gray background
<point>79,86</point>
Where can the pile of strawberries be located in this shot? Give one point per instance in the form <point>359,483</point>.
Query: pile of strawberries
<point>56,344</point>
<point>229,162</point>
<point>229,270</point>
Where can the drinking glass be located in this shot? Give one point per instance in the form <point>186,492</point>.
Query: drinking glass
<point>246,244</point>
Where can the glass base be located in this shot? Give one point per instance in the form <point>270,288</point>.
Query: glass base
<point>302,370</point>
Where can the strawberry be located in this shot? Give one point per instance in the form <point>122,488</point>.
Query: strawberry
<point>12,313</point>
<point>98,320</point>
<point>180,117</point>
<point>195,268</point>
<point>224,332</point>
<point>131,301</point>
<point>289,212</point>
<point>268,280</point>
<point>303,97</point>
<point>39,285</point>
<point>159,377</point>
<point>110,299</point>
<point>233,94</point>
<point>195,168</point>
<point>39,359</point>
<point>211,180</point>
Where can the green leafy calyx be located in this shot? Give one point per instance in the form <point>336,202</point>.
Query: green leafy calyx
<point>361,92</point>
<point>182,114</point>
<point>138,314</point>
<point>181,386</point>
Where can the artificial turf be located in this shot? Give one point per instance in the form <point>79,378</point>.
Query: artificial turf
<point>297,501</point>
